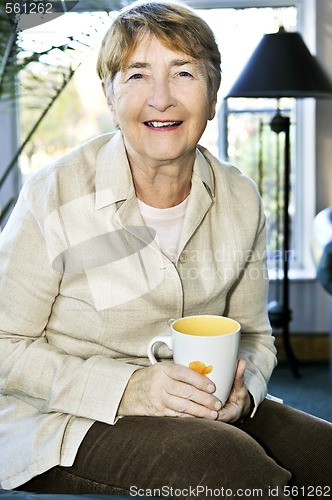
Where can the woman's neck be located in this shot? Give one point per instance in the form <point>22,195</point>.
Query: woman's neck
<point>162,186</point>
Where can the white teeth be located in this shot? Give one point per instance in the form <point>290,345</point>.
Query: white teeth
<point>162,124</point>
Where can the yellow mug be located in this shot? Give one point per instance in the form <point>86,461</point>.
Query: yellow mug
<point>208,344</point>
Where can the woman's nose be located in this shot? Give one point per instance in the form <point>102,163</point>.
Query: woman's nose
<point>161,96</point>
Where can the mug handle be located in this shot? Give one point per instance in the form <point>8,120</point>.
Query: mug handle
<point>161,339</point>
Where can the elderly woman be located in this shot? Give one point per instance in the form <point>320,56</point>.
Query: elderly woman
<point>103,248</point>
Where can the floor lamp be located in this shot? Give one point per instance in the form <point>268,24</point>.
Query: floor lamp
<point>282,66</point>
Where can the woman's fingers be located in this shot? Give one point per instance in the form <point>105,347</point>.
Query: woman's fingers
<point>168,389</point>
<point>186,399</point>
<point>191,377</point>
<point>178,407</point>
<point>186,392</point>
<point>238,403</point>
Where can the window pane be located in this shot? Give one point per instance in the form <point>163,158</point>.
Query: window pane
<point>238,32</point>
<point>79,112</point>
<point>250,137</point>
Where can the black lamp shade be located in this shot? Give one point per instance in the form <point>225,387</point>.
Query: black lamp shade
<point>282,66</point>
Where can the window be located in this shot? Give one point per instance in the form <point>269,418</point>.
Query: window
<point>248,143</point>
<point>65,81</point>
<point>241,132</point>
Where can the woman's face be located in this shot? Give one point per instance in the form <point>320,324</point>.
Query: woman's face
<point>160,102</point>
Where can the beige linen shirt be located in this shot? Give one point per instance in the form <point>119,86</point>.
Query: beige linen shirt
<point>84,287</point>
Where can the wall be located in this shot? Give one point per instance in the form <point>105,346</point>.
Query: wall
<point>310,306</point>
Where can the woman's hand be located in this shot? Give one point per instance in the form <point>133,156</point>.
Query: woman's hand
<point>169,389</point>
<point>239,402</point>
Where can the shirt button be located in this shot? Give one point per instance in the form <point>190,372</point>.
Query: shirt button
<point>183,258</point>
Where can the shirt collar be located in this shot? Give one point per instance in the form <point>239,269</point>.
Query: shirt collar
<point>113,176</point>
<point>203,169</point>
<point>114,181</point>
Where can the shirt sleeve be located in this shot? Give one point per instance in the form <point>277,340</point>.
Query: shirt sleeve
<point>247,303</point>
<point>32,369</point>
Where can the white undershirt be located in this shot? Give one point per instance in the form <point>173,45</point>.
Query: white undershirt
<point>167,223</point>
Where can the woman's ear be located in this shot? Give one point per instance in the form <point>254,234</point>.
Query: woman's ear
<point>109,99</point>
<point>108,96</point>
<point>212,110</point>
<point>104,88</point>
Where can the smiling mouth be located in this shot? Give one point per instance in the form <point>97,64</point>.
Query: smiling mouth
<point>154,124</point>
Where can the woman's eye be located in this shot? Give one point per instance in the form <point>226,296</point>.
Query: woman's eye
<point>184,73</point>
<point>136,76</point>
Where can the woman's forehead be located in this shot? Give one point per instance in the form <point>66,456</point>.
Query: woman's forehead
<point>148,47</point>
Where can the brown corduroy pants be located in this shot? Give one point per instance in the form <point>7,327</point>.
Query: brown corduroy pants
<point>279,453</point>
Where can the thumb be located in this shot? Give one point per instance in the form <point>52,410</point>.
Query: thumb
<point>239,375</point>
